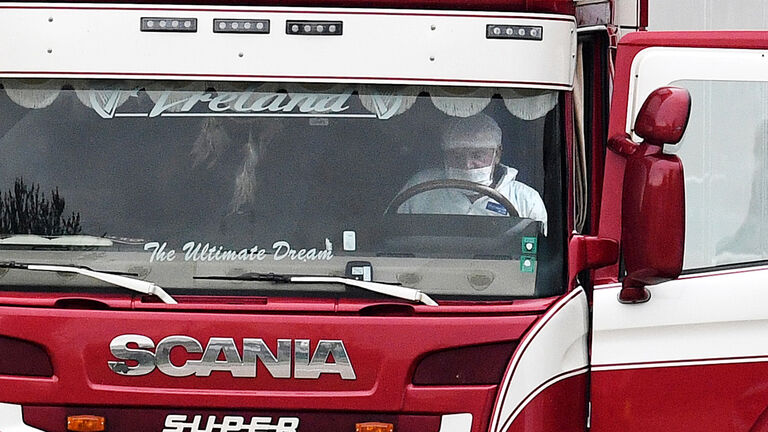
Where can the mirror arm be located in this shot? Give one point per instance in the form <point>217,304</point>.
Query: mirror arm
<point>589,252</point>
<point>633,292</point>
<point>622,144</point>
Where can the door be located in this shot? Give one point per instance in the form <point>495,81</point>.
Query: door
<point>695,356</point>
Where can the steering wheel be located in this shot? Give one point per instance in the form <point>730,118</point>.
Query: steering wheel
<point>420,188</point>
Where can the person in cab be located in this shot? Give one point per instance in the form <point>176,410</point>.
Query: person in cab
<point>472,152</point>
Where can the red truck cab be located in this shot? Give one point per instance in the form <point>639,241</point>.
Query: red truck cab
<point>310,217</point>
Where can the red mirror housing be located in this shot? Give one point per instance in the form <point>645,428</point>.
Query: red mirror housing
<point>653,206</point>
<point>652,221</point>
<point>587,252</point>
<point>664,116</point>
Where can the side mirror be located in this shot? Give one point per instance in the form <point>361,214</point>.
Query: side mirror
<point>588,252</point>
<point>664,115</point>
<point>653,203</point>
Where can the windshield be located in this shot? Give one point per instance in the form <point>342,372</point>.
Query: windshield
<point>457,192</point>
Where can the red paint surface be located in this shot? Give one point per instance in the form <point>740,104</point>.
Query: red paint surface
<point>653,217</point>
<point>193,303</point>
<point>588,252</point>
<point>570,136</point>
<point>384,352</point>
<point>477,400</point>
<point>727,397</point>
<point>637,41</point>
<point>598,129</point>
<point>559,407</point>
<point>643,14</point>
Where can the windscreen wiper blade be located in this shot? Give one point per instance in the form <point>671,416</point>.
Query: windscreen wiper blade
<point>398,291</point>
<point>137,285</point>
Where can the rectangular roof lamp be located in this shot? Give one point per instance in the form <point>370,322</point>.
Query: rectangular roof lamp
<point>184,25</point>
<point>506,31</point>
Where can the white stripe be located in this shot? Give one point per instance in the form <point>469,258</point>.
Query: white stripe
<point>655,67</point>
<point>699,274</point>
<point>556,344</point>
<point>456,423</point>
<point>716,318</point>
<point>607,286</point>
<point>679,364</point>
<point>11,419</point>
<point>724,272</point>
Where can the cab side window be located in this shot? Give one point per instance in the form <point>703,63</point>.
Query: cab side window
<point>725,159</point>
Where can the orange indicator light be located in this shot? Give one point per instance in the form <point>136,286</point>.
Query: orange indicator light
<point>374,427</point>
<point>85,423</point>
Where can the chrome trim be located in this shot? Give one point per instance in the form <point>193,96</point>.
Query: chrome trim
<point>163,355</point>
<point>278,367</point>
<point>317,365</point>
<point>245,366</point>
<point>232,362</point>
<point>119,348</point>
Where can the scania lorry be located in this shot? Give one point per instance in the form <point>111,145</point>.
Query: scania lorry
<point>207,218</point>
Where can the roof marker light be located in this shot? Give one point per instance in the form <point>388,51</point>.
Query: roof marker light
<point>504,31</point>
<point>255,26</point>
<point>314,28</point>
<point>188,25</point>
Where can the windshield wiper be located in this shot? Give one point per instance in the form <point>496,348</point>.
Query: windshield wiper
<point>398,291</point>
<point>137,285</point>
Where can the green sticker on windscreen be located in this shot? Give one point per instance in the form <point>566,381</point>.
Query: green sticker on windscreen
<point>527,264</point>
<point>529,245</point>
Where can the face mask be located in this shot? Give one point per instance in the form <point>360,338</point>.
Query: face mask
<point>482,176</point>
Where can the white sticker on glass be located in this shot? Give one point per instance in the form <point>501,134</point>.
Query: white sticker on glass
<point>349,241</point>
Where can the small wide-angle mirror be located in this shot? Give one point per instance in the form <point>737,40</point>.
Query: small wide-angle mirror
<point>664,116</point>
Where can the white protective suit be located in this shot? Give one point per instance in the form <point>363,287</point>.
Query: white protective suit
<point>524,198</point>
